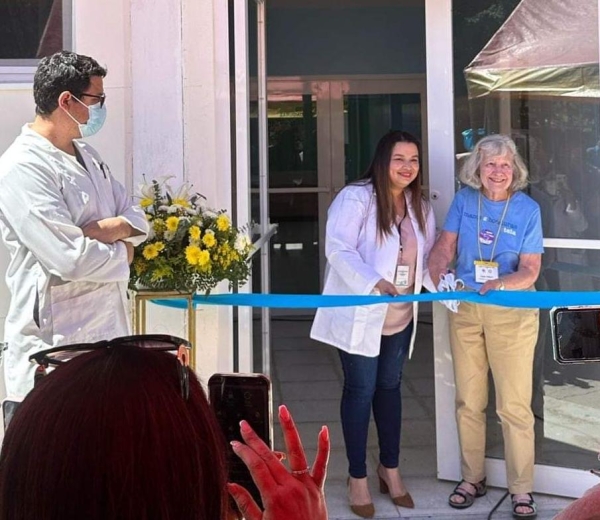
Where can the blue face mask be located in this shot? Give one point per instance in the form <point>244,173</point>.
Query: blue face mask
<point>97,116</point>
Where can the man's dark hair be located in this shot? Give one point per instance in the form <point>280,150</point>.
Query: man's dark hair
<point>63,71</point>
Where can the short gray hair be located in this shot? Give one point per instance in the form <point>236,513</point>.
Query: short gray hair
<point>490,146</point>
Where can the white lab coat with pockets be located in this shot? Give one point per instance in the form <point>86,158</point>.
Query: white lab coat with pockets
<point>356,261</point>
<point>65,288</point>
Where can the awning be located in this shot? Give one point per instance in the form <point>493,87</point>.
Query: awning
<point>546,47</point>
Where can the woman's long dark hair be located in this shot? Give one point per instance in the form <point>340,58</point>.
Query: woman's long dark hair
<point>378,174</point>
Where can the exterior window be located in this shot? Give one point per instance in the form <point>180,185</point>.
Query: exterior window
<point>30,30</point>
<point>512,77</point>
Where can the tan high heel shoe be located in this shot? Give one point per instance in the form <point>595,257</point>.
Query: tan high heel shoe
<point>400,500</point>
<point>362,510</point>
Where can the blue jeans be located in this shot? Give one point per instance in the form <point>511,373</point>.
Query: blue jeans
<point>374,381</point>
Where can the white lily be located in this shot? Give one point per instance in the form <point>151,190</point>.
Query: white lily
<point>181,196</point>
<point>242,243</point>
<point>147,191</point>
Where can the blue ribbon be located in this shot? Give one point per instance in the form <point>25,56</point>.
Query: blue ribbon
<point>523,299</point>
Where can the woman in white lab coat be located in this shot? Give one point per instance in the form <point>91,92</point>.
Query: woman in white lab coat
<point>379,232</point>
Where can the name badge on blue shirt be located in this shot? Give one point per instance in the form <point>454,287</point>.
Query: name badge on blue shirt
<point>485,271</point>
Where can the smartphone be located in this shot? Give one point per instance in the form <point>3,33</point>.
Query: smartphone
<point>576,334</point>
<point>234,397</point>
<point>9,407</point>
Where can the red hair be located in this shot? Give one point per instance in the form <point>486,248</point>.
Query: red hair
<point>107,436</point>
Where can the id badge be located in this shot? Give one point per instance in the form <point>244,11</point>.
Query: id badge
<point>402,274</point>
<point>485,271</point>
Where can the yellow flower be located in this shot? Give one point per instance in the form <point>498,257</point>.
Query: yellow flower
<point>204,259</point>
<point>192,254</point>
<point>225,249</point>
<point>146,201</point>
<point>209,239</point>
<point>172,223</point>
<point>159,225</point>
<point>139,266</point>
<point>223,223</point>
<point>194,232</point>
<point>199,257</point>
<point>151,251</point>
<point>159,246</point>
<point>161,272</point>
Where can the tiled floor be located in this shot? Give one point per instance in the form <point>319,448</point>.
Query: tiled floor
<point>307,377</point>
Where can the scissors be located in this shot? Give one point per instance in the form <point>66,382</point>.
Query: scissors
<point>449,283</point>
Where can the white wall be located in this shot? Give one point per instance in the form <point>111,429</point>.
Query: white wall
<point>101,30</point>
<point>181,128</point>
<point>207,152</point>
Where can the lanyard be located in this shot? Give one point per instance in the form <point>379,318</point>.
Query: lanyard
<point>399,227</point>
<point>499,228</point>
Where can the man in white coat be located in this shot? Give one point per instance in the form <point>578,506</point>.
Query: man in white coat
<point>69,225</point>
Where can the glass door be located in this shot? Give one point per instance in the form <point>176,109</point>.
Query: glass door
<point>557,136</point>
<point>362,111</point>
<point>322,135</point>
<point>299,181</point>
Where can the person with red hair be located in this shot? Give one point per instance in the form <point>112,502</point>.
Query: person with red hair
<point>123,432</point>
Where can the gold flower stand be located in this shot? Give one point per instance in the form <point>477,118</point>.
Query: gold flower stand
<point>141,298</point>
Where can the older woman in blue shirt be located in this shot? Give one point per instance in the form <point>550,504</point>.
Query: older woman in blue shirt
<point>493,232</point>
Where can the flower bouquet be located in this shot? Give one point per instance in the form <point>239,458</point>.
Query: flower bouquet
<point>190,248</point>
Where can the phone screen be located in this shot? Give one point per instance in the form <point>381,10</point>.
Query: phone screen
<point>576,334</point>
<point>8,411</point>
<point>234,397</point>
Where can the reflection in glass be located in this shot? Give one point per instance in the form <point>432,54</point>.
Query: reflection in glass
<point>292,164</point>
<point>30,30</point>
<point>559,139</point>
<point>576,334</point>
<point>292,142</point>
<point>295,247</point>
<point>370,116</point>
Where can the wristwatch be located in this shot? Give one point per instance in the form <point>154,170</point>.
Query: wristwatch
<point>501,287</point>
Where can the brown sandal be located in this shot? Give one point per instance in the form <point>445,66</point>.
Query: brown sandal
<point>468,498</point>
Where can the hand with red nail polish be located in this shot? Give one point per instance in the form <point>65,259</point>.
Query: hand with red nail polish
<point>294,494</point>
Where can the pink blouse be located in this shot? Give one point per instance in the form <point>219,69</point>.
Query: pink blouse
<point>399,315</point>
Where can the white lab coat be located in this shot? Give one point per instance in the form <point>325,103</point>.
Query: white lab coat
<point>65,288</point>
<point>356,261</point>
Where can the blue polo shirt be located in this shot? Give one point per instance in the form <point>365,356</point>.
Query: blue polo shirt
<point>521,232</point>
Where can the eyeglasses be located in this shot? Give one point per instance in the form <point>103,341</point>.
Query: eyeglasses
<point>57,356</point>
<point>101,97</point>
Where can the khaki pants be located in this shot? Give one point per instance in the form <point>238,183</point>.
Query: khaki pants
<point>502,339</point>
